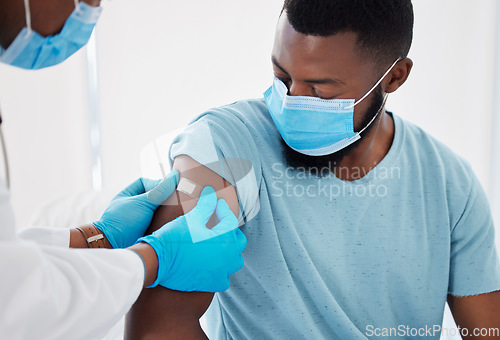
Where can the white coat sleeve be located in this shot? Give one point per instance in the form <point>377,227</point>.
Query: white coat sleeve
<point>49,236</point>
<point>51,292</point>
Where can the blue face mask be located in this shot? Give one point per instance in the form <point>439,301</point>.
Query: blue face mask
<point>315,126</point>
<point>32,51</point>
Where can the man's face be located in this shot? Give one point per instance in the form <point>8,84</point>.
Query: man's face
<point>330,68</point>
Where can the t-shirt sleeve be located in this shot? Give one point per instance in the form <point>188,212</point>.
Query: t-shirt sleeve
<point>474,262</point>
<point>221,141</point>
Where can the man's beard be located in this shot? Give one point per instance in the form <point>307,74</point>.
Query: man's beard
<point>317,164</point>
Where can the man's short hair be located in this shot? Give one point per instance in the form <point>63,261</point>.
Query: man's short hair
<point>384,27</point>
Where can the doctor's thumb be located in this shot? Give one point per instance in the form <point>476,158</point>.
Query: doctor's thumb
<point>164,189</point>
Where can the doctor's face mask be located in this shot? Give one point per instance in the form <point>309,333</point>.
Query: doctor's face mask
<point>313,126</point>
<point>30,50</point>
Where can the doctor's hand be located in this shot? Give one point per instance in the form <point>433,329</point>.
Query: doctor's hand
<point>187,265</point>
<point>131,211</point>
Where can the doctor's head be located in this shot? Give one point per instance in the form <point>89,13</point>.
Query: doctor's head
<point>339,49</point>
<point>30,30</point>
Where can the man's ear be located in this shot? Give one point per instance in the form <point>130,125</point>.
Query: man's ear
<point>398,75</point>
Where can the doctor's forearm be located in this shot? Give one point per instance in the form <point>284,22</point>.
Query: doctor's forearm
<point>150,260</point>
<point>78,240</point>
<point>144,250</point>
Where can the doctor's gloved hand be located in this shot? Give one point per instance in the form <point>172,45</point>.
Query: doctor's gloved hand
<point>187,265</point>
<point>131,211</point>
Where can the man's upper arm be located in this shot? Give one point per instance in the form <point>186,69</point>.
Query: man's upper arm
<point>216,149</point>
<point>477,312</point>
<point>474,283</point>
<point>474,262</point>
<point>161,313</point>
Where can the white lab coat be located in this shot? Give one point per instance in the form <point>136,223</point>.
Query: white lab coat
<point>48,291</point>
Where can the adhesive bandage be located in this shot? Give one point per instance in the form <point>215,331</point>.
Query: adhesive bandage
<point>189,188</point>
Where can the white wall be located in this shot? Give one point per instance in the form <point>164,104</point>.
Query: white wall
<point>45,125</point>
<point>161,63</point>
<point>164,63</point>
<point>495,128</point>
<point>450,91</point>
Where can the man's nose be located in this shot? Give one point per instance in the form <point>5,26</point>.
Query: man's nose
<point>297,89</point>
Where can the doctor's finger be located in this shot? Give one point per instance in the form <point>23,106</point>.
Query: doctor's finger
<point>227,220</point>
<point>236,265</point>
<point>158,192</point>
<point>205,207</point>
<point>240,240</point>
<point>134,189</point>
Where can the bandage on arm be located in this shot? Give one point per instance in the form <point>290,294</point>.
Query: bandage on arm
<point>161,313</point>
<point>189,188</point>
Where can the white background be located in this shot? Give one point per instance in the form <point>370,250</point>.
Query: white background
<point>162,62</point>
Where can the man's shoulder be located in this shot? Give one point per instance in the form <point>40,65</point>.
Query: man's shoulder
<point>426,144</point>
<point>253,104</point>
<point>249,116</point>
<point>422,149</point>
<point>247,110</point>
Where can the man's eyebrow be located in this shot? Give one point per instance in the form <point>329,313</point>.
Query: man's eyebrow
<point>328,81</point>
<point>311,81</point>
<point>275,62</point>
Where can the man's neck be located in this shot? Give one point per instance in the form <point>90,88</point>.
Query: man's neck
<point>371,150</point>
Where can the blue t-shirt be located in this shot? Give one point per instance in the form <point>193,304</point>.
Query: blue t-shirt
<point>333,259</point>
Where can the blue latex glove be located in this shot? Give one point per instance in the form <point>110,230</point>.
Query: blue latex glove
<point>199,266</point>
<point>129,214</point>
